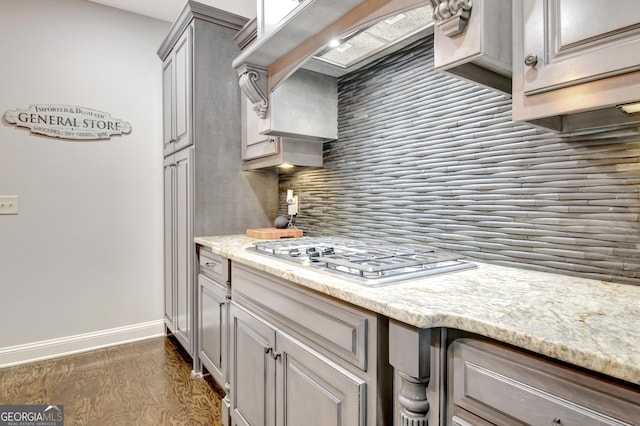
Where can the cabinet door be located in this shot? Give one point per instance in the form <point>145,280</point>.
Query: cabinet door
<point>254,145</point>
<point>176,95</point>
<point>313,391</point>
<point>169,238</point>
<point>184,247</point>
<point>576,41</point>
<point>168,102</point>
<point>183,89</point>
<point>212,312</point>
<point>252,370</point>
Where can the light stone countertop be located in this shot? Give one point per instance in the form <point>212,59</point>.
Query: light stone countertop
<point>588,323</point>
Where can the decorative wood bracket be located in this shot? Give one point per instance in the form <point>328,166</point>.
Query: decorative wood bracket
<point>451,16</point>
<point>253,83</point>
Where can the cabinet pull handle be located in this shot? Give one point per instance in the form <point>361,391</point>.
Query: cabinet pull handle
<point>209,264</point>
<point>275,355</point>
<point>531,60</point>
<point>556,422</point>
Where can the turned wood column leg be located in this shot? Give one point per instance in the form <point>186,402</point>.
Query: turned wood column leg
<point>410,356</point>
<point>414,409</point>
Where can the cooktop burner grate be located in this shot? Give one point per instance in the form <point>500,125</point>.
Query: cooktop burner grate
<point>368,262</point>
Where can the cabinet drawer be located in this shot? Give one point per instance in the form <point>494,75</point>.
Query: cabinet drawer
<point>332,326</point>
<point>502,386</point>
<point>213,266</point>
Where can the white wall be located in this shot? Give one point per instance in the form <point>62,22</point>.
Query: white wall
<point>81,264</point>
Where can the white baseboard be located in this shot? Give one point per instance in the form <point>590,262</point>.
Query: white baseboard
<point>21,354</point>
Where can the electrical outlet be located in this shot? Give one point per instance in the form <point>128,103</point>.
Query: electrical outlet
<point>8,204</point>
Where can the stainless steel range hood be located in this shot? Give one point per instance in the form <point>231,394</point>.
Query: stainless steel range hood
<point>360,46</point>
<point>366,30</point>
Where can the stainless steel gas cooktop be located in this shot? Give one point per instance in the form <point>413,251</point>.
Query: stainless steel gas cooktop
<point>371,263</point>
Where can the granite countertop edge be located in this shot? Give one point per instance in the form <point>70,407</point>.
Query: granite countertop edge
<point>588,323</point>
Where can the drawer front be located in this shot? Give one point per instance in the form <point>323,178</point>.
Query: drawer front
<point>213,266</point>
<point>500,385</point>
<point>330,325</point>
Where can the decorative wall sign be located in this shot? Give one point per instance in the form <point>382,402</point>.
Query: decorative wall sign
<point>68,122</point>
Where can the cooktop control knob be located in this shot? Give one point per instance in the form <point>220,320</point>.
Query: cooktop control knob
<point>328,251</point>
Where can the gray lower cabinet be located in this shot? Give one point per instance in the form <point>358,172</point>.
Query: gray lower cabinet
<point>253,371</point>
<point>213,310</point>
<point>449,377</point>
<point>279,380</point>
<point>301,358</point>
<point>494,384</point>
<point>214,296</point>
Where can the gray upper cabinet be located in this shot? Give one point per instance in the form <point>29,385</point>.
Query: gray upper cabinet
<point>255,145</point>
<point>578,41</point>
<point>260,146</point>
<point>575,61</point>
<point>260,150</point>
<point>476,44</point>
<point>176,95</point>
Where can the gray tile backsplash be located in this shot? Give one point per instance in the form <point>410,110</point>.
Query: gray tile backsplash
<point>427,158</point>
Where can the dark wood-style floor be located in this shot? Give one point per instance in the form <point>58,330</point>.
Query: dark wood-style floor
<point>141,383</point>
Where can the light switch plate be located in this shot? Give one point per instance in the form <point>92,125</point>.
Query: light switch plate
<point>8,204</point>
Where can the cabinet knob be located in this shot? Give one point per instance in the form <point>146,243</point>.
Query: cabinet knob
<point>268,349</point>
<point>556,422</point>
<point>531,60</point>
<point>275,355</point>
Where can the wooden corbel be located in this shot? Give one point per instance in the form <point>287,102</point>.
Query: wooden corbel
<point>451,16</point>
<point>253,83</point>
